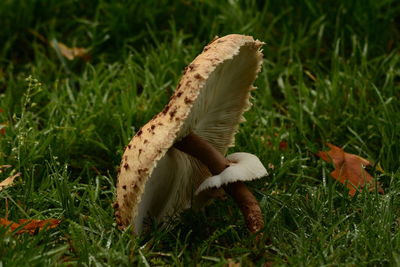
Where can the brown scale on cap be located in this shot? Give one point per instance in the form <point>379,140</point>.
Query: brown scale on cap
<point>192,67</point>
<point>172,113</point>
<point>212,41</point>
<point>246,51</point>
<point>198,76</point>
<point>165,110</point>
<point>188,100</point>
<point>126,166</point>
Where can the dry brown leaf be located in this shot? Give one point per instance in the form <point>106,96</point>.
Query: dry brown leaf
<point>30,226</point>
<point>349,169</point>
<point>70,52</point>
<point>9,180</point>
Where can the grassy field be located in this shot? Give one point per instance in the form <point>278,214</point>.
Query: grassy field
<point>331,74</point>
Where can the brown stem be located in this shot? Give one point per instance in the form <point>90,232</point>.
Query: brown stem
<point>199,148</point>
<point>248,204</point>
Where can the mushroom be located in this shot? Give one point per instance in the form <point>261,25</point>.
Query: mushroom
<point>178,157</point>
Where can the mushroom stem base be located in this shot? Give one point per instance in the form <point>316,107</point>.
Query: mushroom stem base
<point>248,204</point>
<point>199,148</point>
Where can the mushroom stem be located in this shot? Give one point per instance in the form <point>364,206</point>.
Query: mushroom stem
<point>199,148</point>
<point>248,204</point>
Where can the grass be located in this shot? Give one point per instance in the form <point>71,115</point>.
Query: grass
<point>331,74</point>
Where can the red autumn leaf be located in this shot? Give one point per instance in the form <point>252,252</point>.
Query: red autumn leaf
<point>349,169</point>
<point>29,225</point>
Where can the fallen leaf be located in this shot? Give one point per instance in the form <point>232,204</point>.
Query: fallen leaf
<point>7,223</point>
<point>9,180</point>
<point>349,169</point>
<point>70,52</point>
<point>29,225</point>
<point>33,225</point>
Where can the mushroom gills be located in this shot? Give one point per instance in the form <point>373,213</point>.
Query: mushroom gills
<point>222,168</point>
<point>168,190</point>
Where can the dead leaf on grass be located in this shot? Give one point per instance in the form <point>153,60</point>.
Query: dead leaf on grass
<point>9,180</point>
<point>29,225</point>
<point>70,52</point>
<point>349,169</point>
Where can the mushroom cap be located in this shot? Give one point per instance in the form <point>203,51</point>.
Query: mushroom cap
<point>244,167</point>
<point>158,180</point>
